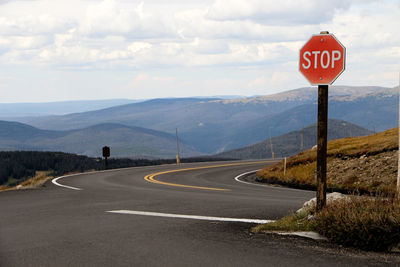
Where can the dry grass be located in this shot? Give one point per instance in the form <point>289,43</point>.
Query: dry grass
<point>361,163</point>
<point>40,178</point>
<point>362,222</point>
<point>291,223</point>
<point>366,145</point>
<point>3,188</point>
<point>301,168</point>
<point>366,223</point>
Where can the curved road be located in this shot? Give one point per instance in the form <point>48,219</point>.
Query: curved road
<point>60,226</point>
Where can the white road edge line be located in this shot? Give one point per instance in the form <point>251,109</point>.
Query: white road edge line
<point>193,217</point>
<point>54,181</point>
<point>237,178</point>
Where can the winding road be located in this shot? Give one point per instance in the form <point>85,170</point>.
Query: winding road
<point>188,215</point>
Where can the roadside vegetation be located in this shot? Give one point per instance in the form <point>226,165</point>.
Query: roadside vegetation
<point>39,179</point>
<point>366,167</point>
<point>33,168</point>
<point>362,222</point>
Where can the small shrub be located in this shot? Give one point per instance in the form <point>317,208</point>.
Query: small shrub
<point>349,181</point>
<point>293,222</point>
<point>366,223</point>
<point>303,174</point>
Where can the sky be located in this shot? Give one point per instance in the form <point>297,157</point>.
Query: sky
<point>56,50</point>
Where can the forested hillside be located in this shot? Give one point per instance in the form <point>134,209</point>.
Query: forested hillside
<point>18,166</point>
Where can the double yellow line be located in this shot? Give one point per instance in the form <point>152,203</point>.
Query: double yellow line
<point>150,177</point>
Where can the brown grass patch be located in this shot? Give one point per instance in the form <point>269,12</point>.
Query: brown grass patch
<point>40,178</point>
<point>359,163</point>
<point>366,223</point>
<point>362,222</point>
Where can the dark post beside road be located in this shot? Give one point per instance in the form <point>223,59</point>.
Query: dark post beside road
<point>178,158</point>
<point>106,154</point>
<point>322,145</point>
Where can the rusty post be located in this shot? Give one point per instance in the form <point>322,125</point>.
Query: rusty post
<point>322,145</point>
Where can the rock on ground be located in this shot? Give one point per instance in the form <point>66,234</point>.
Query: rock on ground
<point>332,197</point>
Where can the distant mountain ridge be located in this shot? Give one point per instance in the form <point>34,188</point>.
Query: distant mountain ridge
<point>213,125</point>
<point>308,94</point>
<point>290,143</point>
<point>124,141</point>
<point>10,110</point>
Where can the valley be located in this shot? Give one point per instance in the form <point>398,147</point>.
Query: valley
<point>206,126</point>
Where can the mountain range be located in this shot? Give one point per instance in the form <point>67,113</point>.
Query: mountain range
<point>8,110</point>
<point>123,141</point>
<point>295,141</point>
<point>215,125</point>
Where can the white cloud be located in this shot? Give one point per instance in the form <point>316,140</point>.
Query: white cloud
<point>136,47</point>
<point>283,11</point>
<point>2,2</point>
<point>129,34</point>
<point>195,23</point>
<point>144,81</point>
<point>31,24</point>
<point>244,45</point>
<point>140,79</point>
<point>275,79</point>
<point>111,17</point>
<point>106,17</point>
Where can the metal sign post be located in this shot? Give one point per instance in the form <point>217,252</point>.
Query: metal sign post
<point>398,160</point>
<point>270,143</point>
<point>106,155</point>
<point>322,145</point>
<point>322,60</point>
<point>178,158</point>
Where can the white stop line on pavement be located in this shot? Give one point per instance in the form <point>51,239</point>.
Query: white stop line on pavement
<point>193,217</point>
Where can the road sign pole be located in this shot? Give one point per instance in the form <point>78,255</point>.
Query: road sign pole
<point>322,60</point>
<point>178,159</point>
<point>106,154</point>
<point>398,158</point>
<point>322,145</point>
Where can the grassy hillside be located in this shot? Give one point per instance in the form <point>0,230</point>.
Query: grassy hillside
<point>290,143</point>
<point>367,164</point>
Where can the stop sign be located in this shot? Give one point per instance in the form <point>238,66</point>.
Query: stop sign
<point>322,59</point>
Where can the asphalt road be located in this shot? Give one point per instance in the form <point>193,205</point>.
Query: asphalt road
<point>56,226</point>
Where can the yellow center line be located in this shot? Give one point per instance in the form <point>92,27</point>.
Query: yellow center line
<point>150,177</point>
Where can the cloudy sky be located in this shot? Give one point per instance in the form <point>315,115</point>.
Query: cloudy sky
<point>52,50</point>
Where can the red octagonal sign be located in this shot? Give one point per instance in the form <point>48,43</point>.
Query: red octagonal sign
<point>322,59</point>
